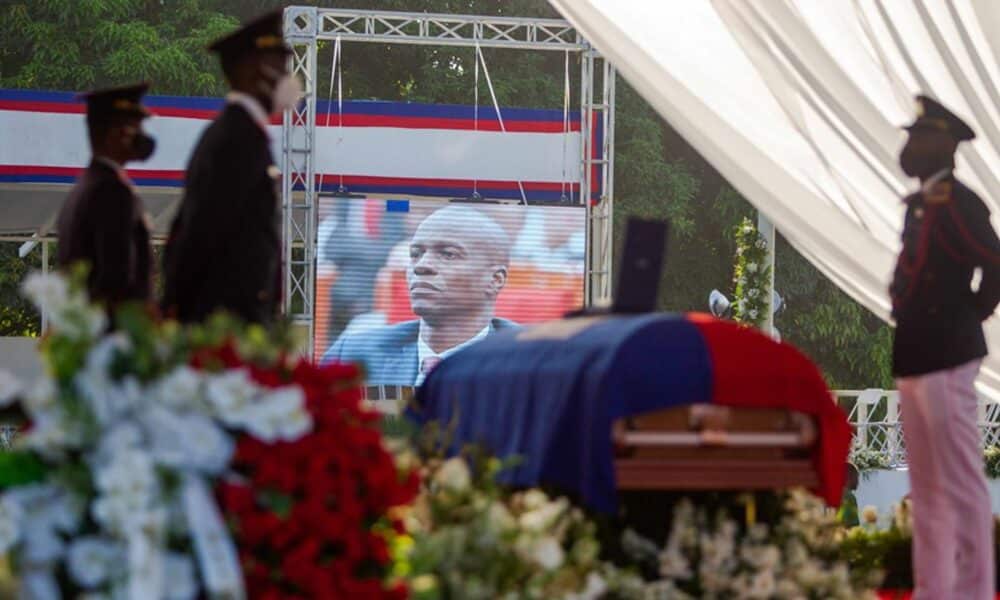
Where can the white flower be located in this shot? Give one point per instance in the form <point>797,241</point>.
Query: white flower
<point>187,442</point>
<point>130,471</point>
<point>79,320</point>
<point>762,585</point>
<point>91,560</point>
<point>717,550</point>
<point>594,588</point>
<point>41,545</point>
<point>10,523</point>
<point>841,575</point>
<point>796,553</point>
<point>180,389</point>
<point>454,475</point>
<point>122,436</point>
<point>548,553</point>
<point>279,414</point>
<point>111,401</point>
<point>10,388</point>
<point>786,588</point>
<point>764,557</point>
<point>752,267</point>
<point>128,490</point>
<point>542,518</point>
<point>46,511</point>
<point>758,532</point>
<point>810,574</point>
<point>406,460</point>
<point>499,517</point>
<point>42,584</point>
<point>51,435</point>
<point>869,514</point>
<point>752,313</point>
<point>104,352</point>
<point>94,321</point>
<point>534,498</point>
<point>41,397</point>
<point>179,575</point>
<point>230,394</point>
<point>674,564</point>
<point>753,293</point>
<point>49,292</point>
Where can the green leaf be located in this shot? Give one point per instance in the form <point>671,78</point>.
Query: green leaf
<point>21,468</point>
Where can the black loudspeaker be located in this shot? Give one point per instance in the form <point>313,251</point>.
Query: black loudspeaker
<point>641,266</point>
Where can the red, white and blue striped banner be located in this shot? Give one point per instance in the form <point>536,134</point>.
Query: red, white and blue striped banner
<point>378,147</point>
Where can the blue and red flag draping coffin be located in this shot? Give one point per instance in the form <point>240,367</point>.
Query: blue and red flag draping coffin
<point>550,394</point>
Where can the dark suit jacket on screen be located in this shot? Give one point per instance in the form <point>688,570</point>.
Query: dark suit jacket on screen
<point>388,353</point>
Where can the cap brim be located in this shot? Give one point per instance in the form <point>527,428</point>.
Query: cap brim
<point>918,126</point>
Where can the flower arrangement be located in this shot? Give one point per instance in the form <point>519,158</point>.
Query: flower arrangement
<point>750,276</point>
<point>724,552</point>
<point>867,459</point>
<point>109,493</point>
<point>890,549</point>
<point>466,537</point>
<point>991,460</point>
<point>311,516</point>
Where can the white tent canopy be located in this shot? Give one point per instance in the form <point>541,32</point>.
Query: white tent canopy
<point>798,104</point>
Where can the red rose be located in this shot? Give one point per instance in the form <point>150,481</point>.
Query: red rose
<point>257,527</point>
<point>365,589</point>
<point>237,498</point>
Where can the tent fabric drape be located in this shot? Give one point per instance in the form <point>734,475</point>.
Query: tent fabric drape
<point>798,104</point>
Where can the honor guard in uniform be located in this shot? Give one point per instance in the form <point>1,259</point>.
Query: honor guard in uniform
<point>937,351</point>
<point>103,221</point>
<point>224,247</point>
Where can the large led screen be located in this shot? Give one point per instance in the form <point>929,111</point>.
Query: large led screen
<point>403,284</point>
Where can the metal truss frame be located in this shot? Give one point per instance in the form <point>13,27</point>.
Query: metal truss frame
<point>305,26</point>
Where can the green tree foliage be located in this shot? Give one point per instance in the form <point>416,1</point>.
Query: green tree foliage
<point>80,44</point>
<point>17,315</point>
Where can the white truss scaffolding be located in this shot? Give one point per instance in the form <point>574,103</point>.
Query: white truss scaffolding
<point>306,26</point>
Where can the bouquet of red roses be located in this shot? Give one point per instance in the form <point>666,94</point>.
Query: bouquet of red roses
<point>311,517</point>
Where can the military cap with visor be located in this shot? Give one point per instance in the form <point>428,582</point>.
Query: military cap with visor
<point>263,34</point>
<point>109,103</point>
<point>932,115</point>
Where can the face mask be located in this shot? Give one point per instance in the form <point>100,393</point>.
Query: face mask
<point>143,146</point>
<point>285,91</point>
<point>919,164</point>
<point>141,143</point>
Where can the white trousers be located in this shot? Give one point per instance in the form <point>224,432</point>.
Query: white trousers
<point>952,519</point>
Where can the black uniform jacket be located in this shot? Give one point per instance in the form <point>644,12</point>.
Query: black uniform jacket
<point>947,236</point>
<point>224,245</point>
<point>102,222</point>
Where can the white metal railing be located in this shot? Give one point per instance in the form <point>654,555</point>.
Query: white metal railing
<point>878,426</point>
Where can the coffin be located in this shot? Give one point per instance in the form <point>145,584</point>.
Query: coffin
<point>600,405</point>
<point>715,448</point>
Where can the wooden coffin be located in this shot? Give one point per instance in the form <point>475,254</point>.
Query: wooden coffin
<point>714,448</point>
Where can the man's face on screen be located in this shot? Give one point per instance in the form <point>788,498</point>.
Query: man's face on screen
<point>449,273</point>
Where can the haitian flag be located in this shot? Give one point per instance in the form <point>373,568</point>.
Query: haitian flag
<point>549,394</point>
